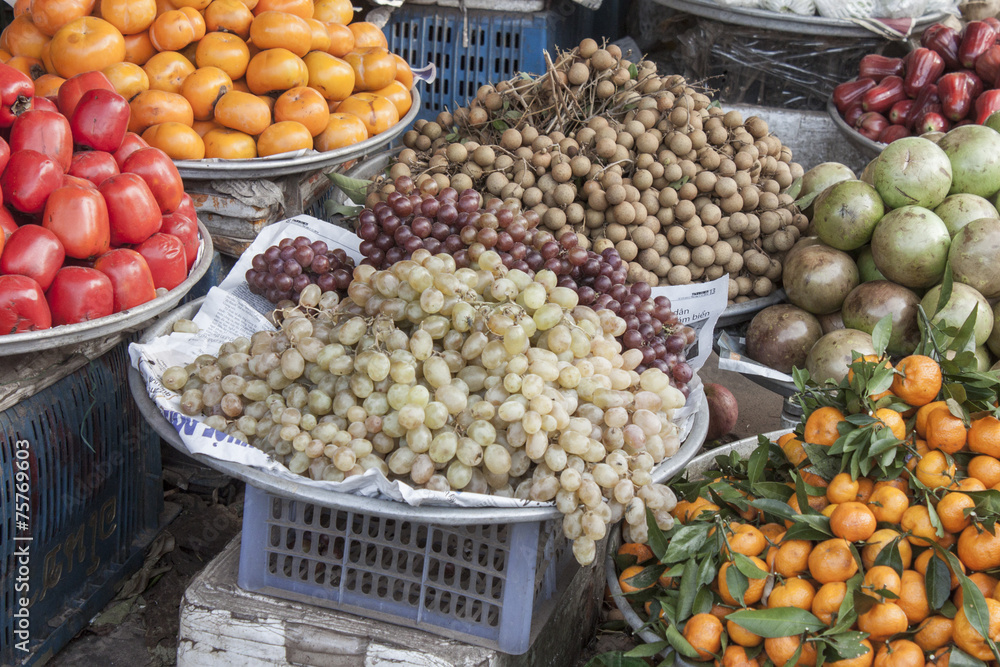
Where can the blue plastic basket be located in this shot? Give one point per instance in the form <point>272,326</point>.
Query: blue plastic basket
<point>500,44</point>
<point>491,585</point>
<point>317,208</point>
<point>95,502</point>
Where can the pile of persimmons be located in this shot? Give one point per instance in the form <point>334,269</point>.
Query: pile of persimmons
<point>866,536</point>
<point>221,78</point>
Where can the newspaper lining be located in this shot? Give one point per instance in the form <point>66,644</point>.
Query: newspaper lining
<point>698,306</point>
<point>732,357</point>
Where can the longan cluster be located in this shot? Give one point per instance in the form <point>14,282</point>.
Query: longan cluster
<point>480,379</point>
<point>683,190</point>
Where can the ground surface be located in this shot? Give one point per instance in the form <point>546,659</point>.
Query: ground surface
<point>139,629</point>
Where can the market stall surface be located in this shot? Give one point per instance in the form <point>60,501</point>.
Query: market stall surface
<point>140,626</point>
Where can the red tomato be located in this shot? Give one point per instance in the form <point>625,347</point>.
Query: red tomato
<point>16,91</point>
<point>43,104</point>
<point>76,181</point>
<point>186,229</point>
<point>164,253</point>
<point>7,224</point>
<point>47,132</point>
<point>28,179</point>
<point>35,252</point>
<point>22,305</point>
<point>79,217</point>
<point>95,166</point>
<point>132,210</point>
<point>130,277</point>
<point>79,294</point>
<point>4,154</point>
<point>160,174</point>
<point>73,89</point>
<point>187,207</point>
<point>100,120</point>
<point>130,144</point>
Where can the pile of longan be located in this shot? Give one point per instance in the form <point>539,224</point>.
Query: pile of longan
<point>683,190</point>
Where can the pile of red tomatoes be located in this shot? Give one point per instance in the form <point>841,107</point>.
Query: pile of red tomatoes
<point>94,221</point>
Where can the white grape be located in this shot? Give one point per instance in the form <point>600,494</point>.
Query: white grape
<point>584,550</point>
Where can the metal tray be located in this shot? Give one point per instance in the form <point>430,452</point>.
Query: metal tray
<point>790,23</point>
<point>701,463</point>
<point>128,320</point>
<point>864,144</point>
<point>270,168</point>
<point>786,389</point>
<point>451,516</point>
<point>688,449</point>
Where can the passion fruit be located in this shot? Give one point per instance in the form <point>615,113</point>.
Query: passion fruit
<point>910,246</point>
<point>870,302</point>
<point>973,256</point>
<point>846,214</point>
<point>974,152</point>
<point>956,311</point>
<point>781,336</point>
<point>959,210</point>
<point>912,172</point>
<point>830,358</point>
<point>831,321</point>
<point>867,271</point>
<point>818,278</point>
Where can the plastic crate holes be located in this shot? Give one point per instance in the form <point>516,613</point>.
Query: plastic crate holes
<point>96,497</point>
<point>499,45</point>
<point>385,544</point>
<point>460,579</point>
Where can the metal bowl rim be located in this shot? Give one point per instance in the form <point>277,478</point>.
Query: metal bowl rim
<point>70,334</point>
<point>264,168</point>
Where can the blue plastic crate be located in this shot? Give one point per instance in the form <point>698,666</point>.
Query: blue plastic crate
<point>317,208</point>
<point>500,44</point>
<point>491,585</point>
<point>95,502</point>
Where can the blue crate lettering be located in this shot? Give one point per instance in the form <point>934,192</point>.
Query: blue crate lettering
<point>500,44</point>
<point>485,584</point>
<point>96,499</point>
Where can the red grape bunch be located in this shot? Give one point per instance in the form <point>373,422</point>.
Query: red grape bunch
<point>284,270</point>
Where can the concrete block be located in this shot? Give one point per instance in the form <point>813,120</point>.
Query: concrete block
<point>222,625</point>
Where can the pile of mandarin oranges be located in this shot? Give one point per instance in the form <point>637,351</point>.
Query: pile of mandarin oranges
<point>231,79</point>
<point>923,514</point>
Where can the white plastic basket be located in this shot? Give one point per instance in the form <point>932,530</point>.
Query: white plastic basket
<point>846,9</point>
